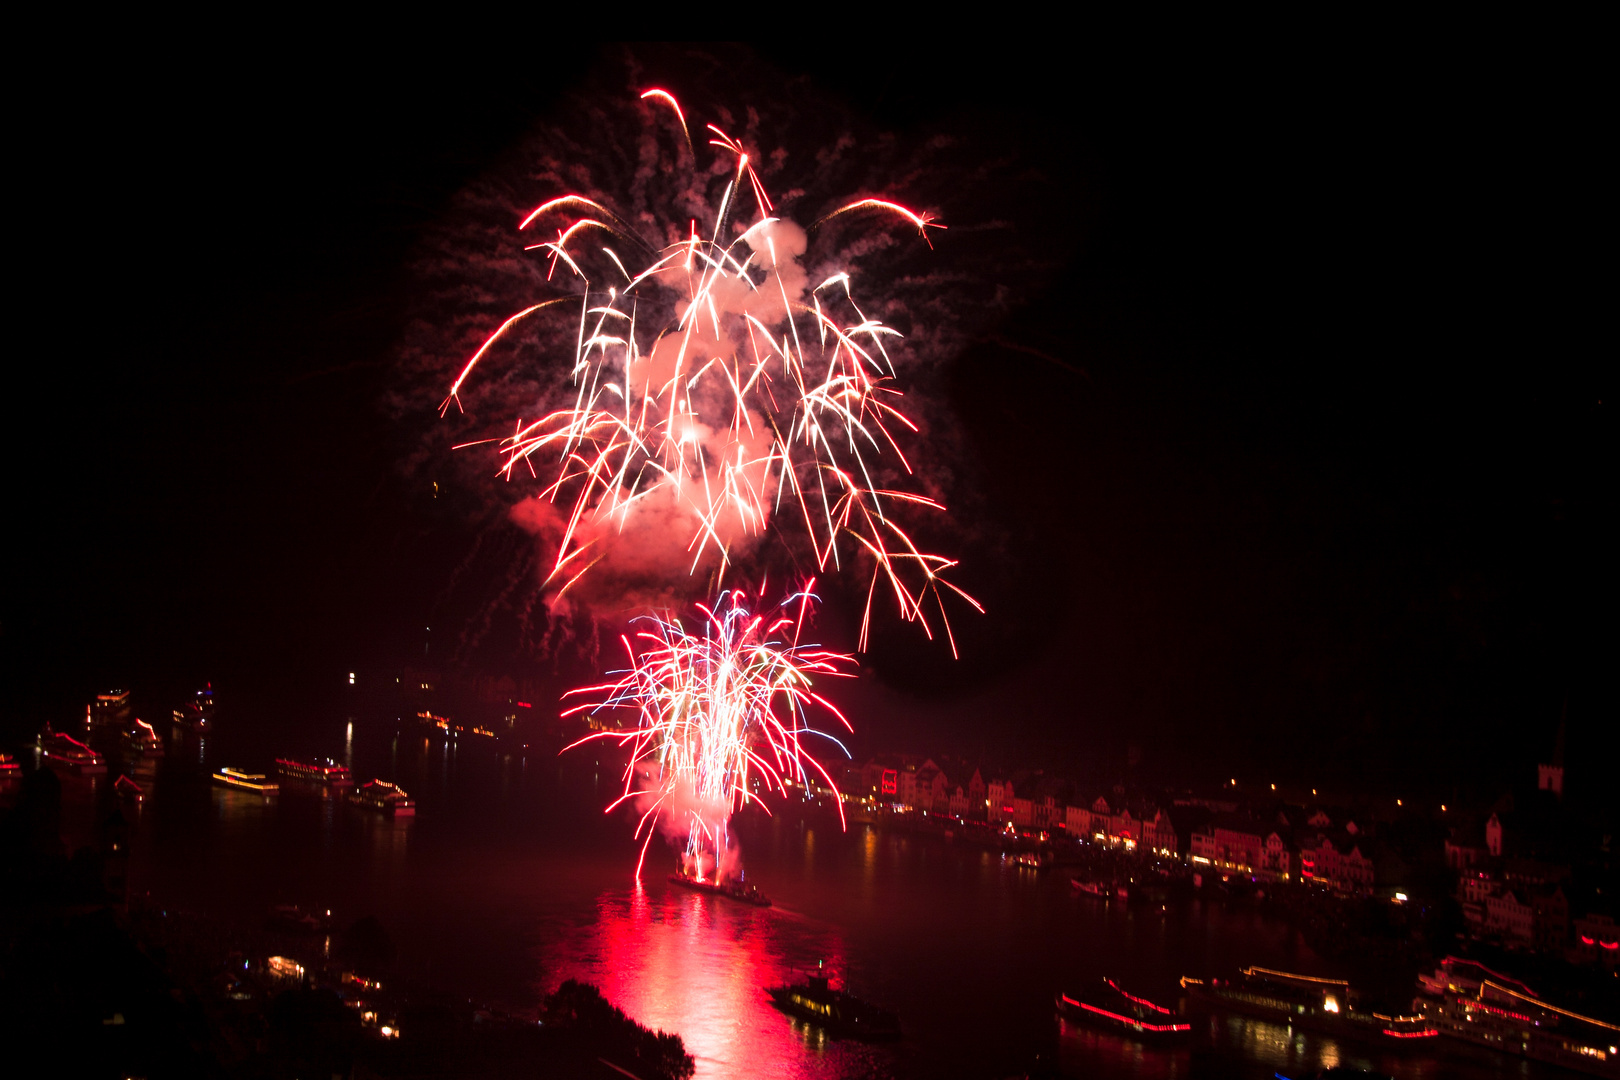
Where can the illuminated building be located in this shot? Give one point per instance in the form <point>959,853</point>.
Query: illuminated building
<point>1241,844</point>
<point>969,801</point>
<point>1336,862</point>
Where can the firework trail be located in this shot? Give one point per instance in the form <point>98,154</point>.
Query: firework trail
<point>711,387</point>
<point>719,714</point>
<point>714,394</point>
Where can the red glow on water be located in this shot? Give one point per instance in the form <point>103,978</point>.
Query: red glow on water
<point>699,966</point>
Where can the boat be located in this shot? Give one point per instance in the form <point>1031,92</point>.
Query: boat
<point>129,790</point>
<point>292,919</point>
<point>9,769</point>
<point>384,798</point>
<point>142,741</point>
<point>841,1014</point>
<point>736,890</point>
<point>198,713</point>
<point>1108,1007</point>
<point>108,711</point>
<point>325,771</point>
<point>69,754</point>
<point>1466,1000</point>
<point>1309,1002</point>
<point>1092,888</point>
<point>257,782</point>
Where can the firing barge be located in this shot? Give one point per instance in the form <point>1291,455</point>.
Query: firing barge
<point>736,890</point>
<point>1108,1007</point>
<point>841,1014</point>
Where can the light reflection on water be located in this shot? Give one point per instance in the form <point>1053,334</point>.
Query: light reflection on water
<point>510,880</point>
<point>698,965</point>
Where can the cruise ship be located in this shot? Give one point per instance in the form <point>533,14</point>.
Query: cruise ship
<point>1309,1002</point>
<point>1113,1009</point>
<point>247,781</point>
<point>383,797</point>
<point>325,771</point>
<point>142,741</point>
<point>198,713</point>
<point>1466,1000</point>
<point>69,754</point>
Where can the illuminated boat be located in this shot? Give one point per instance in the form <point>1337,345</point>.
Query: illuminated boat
<point>292,919</point>
<point>841,1014</point>
<point>1107,1006</point>
<point>1467,1000</point>
<point>736,890</point>
<point>69,754</point>
<point>9,769</point>
<point>198,713</point>
<point>326,771</point>
<point>129,790</point>
<point>1092,888</point>
<point>384,798</point>
<point>142,741</point>
<point>1308,1002</point>
<point>247,781</point>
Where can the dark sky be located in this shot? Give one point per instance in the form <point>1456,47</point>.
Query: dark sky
<point>1296,456</point>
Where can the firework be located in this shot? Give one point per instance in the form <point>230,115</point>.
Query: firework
<point>712,387</point>
<point>718,715</point>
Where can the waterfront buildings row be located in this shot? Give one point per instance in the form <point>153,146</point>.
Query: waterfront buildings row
<point>1514,881</point>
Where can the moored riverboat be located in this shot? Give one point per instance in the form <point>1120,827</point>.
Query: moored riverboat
<point>255,782</point>
<point>129,790</point>
<point>384,798</point>
<point>141,741</point>
<point>1100,890</point>
<point>841,1014</point>
<point>197,715</point>
<point>1309,1002</point>
<point>325,771</point>
<point>1464,999</point>
<point>69,755</point>
<point>292,919</point>
<point>1113,1009</point>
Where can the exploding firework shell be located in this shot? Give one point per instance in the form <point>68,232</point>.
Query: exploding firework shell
<point>696,430</point>
<point>719,711</point>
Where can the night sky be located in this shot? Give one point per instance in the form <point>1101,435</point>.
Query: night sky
<point>1290,463</point>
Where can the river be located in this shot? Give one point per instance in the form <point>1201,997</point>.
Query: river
<point>511,879</point>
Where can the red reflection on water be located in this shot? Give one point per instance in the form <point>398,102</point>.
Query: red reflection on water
<point>699,966</point>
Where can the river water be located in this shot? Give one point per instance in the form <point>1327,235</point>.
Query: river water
<point>511,879</point>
